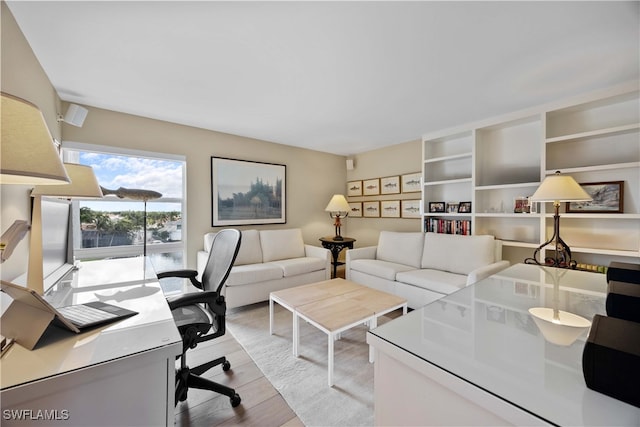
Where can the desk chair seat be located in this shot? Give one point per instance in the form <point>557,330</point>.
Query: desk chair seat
<point>200,316</point>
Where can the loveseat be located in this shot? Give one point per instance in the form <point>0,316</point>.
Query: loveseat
<point>423,267</point>
<point>269,260</point>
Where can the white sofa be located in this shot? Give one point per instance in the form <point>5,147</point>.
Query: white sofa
<point>423,267</point>
<point>269,260</point>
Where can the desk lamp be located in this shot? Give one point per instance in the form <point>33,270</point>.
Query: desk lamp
<point>557,188</point>
<point>27,157</point>
<point>338,208</point>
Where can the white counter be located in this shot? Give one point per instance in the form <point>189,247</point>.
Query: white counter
<point>476,357</point>
<point>119,374</point>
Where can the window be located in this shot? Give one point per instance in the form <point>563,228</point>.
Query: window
<point>114,226</point>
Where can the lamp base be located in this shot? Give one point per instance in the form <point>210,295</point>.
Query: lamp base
<point>338,238</point>
<point>557,326</point>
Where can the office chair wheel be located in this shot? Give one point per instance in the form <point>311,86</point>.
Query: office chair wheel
<point>226,366</point>
<point>235,400</point>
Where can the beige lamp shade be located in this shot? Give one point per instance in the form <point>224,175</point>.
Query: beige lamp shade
<point>27,155</point>
<point>338,203</point>
<point>83,184</point>
<point>560,188</point>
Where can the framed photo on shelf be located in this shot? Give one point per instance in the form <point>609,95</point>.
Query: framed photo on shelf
<point>355,209</point>
<point>464,207</point>
<point>411,182</point>
<point>608,197</point>
<point>410,208</point>
<point>452,207</point>
<point>390,209</point>
<point>247,192</point>
<point>354,188</point>
<point>390,185</point>
<point>371,187</point>
<point>436,207</point>
<point>371,209</point>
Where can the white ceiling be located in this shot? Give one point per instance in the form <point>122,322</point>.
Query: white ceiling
<point>339,77</point>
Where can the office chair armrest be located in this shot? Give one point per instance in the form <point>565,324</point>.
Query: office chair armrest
<point>207,297</point>
<point>184,274</point>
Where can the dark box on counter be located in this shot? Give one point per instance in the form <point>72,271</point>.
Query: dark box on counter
<point>623,300</point>
<point>611,358</point>
<point>623,272</point>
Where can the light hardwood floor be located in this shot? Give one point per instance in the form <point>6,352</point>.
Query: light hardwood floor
<point>261,405</point>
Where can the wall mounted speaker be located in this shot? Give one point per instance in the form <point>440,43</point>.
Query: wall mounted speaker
<point>75,115</point>
<point>349,164</point>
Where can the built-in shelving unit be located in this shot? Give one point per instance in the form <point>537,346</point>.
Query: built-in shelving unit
<point>594,138</point>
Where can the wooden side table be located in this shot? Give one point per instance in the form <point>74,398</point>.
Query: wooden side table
<point>336,246</point>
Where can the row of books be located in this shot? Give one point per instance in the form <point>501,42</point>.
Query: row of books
<point>448,226</point>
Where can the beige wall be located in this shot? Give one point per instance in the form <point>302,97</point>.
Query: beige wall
<point>22,76</point>
<point>398,159</point>
<point>312,177</point>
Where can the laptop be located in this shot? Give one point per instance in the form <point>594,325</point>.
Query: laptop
<point>29,307</point>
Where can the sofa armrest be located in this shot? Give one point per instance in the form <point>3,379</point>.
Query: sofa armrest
<point>486,271</point>
<point>319,252</point>
<point>368,252</point>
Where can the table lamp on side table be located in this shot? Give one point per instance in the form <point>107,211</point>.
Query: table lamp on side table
<point>338,207</point>
<point>557,188</point>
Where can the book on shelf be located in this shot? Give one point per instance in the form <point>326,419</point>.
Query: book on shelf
<point>448,226</point>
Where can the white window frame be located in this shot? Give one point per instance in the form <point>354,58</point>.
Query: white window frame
<point>127,250</point>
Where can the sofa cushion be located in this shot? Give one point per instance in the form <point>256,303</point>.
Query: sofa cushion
<point>375,267</point>
<point>433,280</point>
<point>401,247</point>
<point>281,244</point>
<point>296,266</point>
<point>253,273</point>
<point>456,253</point>
<point>250,250</point>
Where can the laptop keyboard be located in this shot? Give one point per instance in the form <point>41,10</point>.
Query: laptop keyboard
<point>82,314</point>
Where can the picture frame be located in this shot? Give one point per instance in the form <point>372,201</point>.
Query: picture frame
<point>390,185</point>
<point>410,183</point>
<point>410,208</point>
<point>390,208</point>
<point>371,187</point>
<point>371,209</point>
<point>452,207</point>
<point>608,197</point>
<point>464,207</point>
<point>436,207</point>
<point>354,188</point>
<point>355,209</point>
<point>245,192</point>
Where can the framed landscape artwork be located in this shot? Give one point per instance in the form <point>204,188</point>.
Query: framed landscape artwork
<point>247,192</point>
<point>608,197</point>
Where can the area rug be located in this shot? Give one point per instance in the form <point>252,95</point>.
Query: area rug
<point>302,381</point>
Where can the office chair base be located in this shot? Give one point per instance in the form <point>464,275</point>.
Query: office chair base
<point>189,378</point>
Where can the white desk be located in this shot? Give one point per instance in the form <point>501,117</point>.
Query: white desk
<point>476,357</point>
<point>118,375</point>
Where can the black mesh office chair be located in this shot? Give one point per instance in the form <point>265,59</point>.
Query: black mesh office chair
<point>200,316</point>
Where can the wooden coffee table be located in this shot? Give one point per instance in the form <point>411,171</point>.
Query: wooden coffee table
<point>334,306</point>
